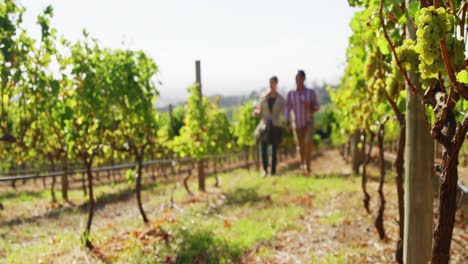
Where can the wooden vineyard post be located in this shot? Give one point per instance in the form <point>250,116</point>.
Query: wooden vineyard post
<point>65,180</point>
<point>201,163</point>
<point>419,171</point>
<point>113,172</point>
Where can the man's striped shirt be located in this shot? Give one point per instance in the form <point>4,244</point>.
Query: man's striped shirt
<point>295,102</point>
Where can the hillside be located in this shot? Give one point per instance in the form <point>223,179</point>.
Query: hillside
<point>229,102</point>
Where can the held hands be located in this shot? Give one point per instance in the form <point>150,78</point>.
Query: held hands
<point>256,111</point>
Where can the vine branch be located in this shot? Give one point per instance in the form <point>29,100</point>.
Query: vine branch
<point>398,113</point>
<point>436,131</point>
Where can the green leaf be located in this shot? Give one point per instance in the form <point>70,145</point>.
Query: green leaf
<point>464,105</point>
<point>106,149</point>
<point>130,176</point>
<point>413,8</point>
<point>5,99</point>
<point>402,20</point>
<point>84,238</point>
<point>383,45</point>
<point>463,77</point>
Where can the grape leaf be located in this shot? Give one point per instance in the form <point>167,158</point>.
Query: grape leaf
<point>463,77</point>
<point>402,20</point>
<point>413,8</point>
<point>383,45</point>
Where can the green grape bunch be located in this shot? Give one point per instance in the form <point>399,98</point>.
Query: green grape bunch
<point>394,81</point>
<point>378,91</point>
<point>407,55</point>
<point>409,60</point>
<point>370,66</point>
<point>433,26</point>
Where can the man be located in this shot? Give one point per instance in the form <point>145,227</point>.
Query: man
<point>303,102</point>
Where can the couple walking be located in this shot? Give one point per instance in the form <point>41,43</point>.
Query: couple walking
<point>303,103</point>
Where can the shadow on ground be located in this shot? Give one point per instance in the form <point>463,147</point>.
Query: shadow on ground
<point>102,201</point>
<point>332,175</point>
<point>241,196</point>
<point>25,196</point>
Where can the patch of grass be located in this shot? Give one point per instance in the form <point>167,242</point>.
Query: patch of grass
<point>264,253</point>
<point>334,219</point>
<point>43,251</point>
<point>201,245</point>
<point>261,225</point>
<point>339,258</point>
<point>213,240</point>
<point>301,185</point>
<point>246,232</point>
<point>135,252</point>
<point>279,217</point>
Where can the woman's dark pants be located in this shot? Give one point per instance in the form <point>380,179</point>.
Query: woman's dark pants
<point>274,150</point>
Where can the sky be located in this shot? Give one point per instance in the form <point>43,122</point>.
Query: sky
<point>241,43</point>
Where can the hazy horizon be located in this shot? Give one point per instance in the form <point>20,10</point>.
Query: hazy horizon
<point>240,43</point>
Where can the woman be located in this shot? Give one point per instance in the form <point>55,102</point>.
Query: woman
<point>270,131</point>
